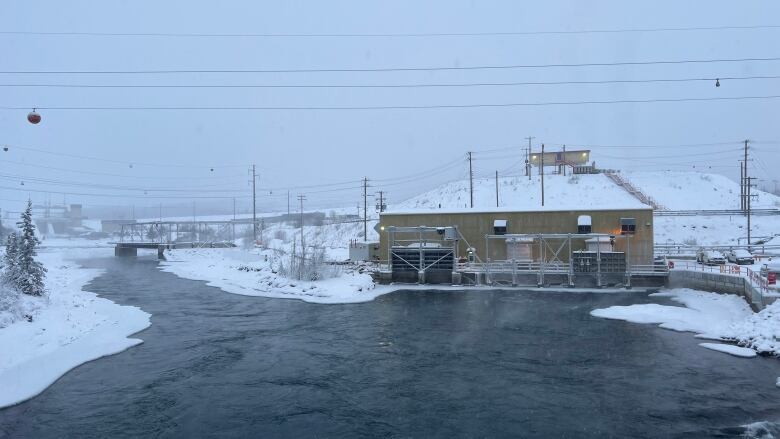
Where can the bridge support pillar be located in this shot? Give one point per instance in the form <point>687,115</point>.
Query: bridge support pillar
<point>125,252</point>
<point>160,253</point>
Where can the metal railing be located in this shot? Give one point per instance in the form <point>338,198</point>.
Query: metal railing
<point>677,249</point>
<point>716,212</point>
<point>755,279</point>
<point>633,190</point>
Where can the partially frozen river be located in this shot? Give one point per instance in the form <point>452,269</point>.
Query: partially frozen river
<point>409,364</point>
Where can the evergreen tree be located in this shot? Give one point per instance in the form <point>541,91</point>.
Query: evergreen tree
<point>10,275</point>
<point>30,272</point>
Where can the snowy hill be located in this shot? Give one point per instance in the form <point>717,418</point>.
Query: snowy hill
<point>520,193</point>
<point>674,190</point>
<point>695,191</point>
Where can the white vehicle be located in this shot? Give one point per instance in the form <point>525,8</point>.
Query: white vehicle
<point>710,257</point>
<point>740,257</point>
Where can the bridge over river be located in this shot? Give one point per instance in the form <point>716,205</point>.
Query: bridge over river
<point>168,235</point>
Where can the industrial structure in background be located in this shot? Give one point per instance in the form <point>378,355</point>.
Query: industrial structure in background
<point>59,219</point>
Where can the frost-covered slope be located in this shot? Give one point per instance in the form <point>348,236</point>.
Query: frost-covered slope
<point>695,191</point>
<point>560,192</point>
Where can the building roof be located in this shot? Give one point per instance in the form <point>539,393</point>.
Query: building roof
<point>499,210</point>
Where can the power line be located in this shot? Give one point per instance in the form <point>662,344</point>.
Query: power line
<point>129,163</point>
<point>108,174</point>
<point>589,145</point>
<point>426,85</point>
<point>708,153</point>
<point>269,189</point>
<point>111,187</point>
<point>391,107</point>
<point>388,35</point>
<point>19,189</point>
<point>387,69</point>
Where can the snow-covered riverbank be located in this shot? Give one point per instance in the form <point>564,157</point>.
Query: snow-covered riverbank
<point>249,273</point>
<point>69,327</point>
<point>725,317</point>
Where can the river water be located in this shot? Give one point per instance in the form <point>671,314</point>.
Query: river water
<point>409,364</point>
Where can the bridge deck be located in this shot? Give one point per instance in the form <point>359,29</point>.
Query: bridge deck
<point>130,249</point>
<point>172,245</point>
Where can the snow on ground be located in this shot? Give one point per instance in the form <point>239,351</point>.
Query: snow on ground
<point>674,190</point>
<point>68,328</point>
<point>520,193</point>
<point>714,316</point>
<point>730,349</point>
<point>251,273</point>
<point>712,230</point>
<point>687,190</point>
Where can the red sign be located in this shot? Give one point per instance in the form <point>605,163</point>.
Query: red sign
<point>771,278</point>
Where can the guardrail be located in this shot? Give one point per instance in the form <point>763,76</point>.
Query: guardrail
<point>716,212</point>
<point>676,249</point>
<point>755,279</point>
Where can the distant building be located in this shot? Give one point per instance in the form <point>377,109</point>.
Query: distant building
<point>59,219</point>
<point>560,159</point>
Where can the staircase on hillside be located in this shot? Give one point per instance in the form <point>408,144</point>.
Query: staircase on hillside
<point>631,189</point>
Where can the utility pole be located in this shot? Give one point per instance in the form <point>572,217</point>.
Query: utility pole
<point>254,204</point>
<point>528,158</point>
<point>381,206</point>
<point>749,201</point>
<point>301,198</point>
<point>746,180</point>
<point>288,204</point>
<point>471,181</point>
<point>365,208</point>
<point>541,170</point>
<point>496,188</point>
<point>234,208</point>
<point>564,160</point>
<point>741,186</point>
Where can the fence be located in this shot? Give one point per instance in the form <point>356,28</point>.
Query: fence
<point>754,287</point>
<point>720,212</point>
<point>678,249</point>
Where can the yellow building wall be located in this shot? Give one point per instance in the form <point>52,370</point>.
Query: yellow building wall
<point>473,226</point>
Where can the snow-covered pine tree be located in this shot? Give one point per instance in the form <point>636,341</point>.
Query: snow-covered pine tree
<point>31,272</point>
<point>10,274</point>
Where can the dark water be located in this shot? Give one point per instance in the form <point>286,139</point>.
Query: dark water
<point>410,364</point>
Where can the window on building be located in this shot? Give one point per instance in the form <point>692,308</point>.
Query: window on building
<point>499,227</point>
<point>584,224</point>
<point>627,226</point>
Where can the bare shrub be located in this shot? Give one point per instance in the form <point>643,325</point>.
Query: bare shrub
<point>307,266</point>
<point>690,241</point>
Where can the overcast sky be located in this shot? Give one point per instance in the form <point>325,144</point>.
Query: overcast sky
<point>293,148</point>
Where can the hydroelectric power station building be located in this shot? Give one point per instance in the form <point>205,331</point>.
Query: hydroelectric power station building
<point>542,246</point>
